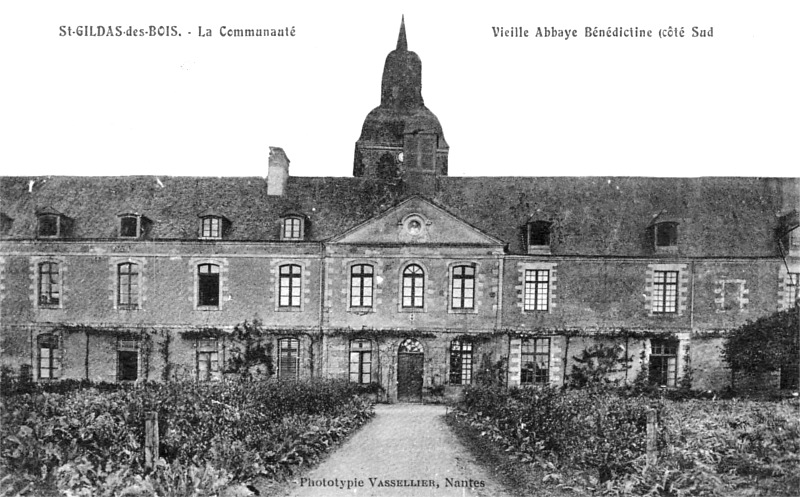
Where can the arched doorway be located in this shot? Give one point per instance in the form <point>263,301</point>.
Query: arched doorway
<point>410,360</point>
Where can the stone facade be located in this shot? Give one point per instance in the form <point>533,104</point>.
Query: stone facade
<point>412,280</point>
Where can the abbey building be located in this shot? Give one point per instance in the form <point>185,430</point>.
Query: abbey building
<point>400,275</point>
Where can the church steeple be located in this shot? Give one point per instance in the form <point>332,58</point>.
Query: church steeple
<point>402,43</point>
<point>402,76</point>
<point>401,138</point>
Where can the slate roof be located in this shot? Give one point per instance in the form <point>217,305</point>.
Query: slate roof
<point>718,217</point>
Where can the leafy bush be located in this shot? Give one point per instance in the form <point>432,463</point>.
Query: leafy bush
<point>704,447</point>
<point>581,428</point>
<point>234,431</point>
<point>764,344</point>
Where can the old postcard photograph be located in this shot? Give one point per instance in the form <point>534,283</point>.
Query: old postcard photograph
<point>416,248</point>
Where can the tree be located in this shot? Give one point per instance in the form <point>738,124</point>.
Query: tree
<point>766,344</point>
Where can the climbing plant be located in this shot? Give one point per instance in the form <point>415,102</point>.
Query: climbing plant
<point>596,363</point>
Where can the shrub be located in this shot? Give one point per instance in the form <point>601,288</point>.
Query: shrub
<point>704,447</point>
<point>83,438</point>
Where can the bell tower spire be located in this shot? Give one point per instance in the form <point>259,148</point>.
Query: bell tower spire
<point>402,43</point>
<point>401,138</point>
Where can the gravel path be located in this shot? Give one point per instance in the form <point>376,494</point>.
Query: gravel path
<point>407,449</point>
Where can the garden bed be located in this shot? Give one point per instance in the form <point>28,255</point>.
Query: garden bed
<point>212,435</point>
<point>595,441</point>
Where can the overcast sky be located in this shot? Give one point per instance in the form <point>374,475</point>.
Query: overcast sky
<point>211,106</point>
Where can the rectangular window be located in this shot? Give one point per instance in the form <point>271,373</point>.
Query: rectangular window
<point>212,227</point>
<point>665,292</point>
<point>49,284</point>
<point>207,360</point>
<point>288,358</point>
<point>361,285</point>
<point>463,291</point>
<point>292,228</point>
<point>127,360</point>
<point>792,292</point>
<point>427,152</point>
<point>535,361</point>
<point>537,290</point>
<point>128,286</point>
<point>666,234</point>
<point>361,361</point>
<point>48,226</point>
<point>663,362</point>
<point>48,357</point>
<point>460,362</point>
<point>290,294</point>
<point>129,226</point>
<point>208,285</point>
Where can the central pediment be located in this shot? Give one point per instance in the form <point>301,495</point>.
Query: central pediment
<point>416,221</point>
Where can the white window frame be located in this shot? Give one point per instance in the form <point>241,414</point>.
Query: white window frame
<point>463,288</point>
<point>361,277</point>
<point>288,230</point>
<point>417,292</point>
<point>212,220</point>
<point>53,357</point>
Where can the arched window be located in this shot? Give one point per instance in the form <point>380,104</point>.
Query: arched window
<point>132,225</point>
<point>208,285</point>
<point>49,284</point>
<point>462,293</point>
<point>290,285</point>
<point>293,228</point>
<point>128,285</point>
<point>211,227</point>
<point>410,346</point>
<point>460,362</point>
<point>413,287</point>
<point>361,285</point>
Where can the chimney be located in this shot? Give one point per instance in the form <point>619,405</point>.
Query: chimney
<point>278,172</point>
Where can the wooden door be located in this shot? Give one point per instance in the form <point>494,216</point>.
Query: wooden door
<point>409,377</point>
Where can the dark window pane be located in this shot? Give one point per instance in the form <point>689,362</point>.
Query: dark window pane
<point>539,233</point>
<point>288,359</point>
<point>208,291</point>
<point>48,226</point>
<point>128,365</point>
<point>666,234</point>
<point>128,226</point>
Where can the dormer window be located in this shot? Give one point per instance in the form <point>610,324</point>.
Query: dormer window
<point>5,223</point>
<point>212,226</point>
<point>293,228</point>
<point>51,224</point>
<point>663,233</point>
<point>666,235</point>
<point>538,236</point>
<point>132,225</point>
<point>789,233</point>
